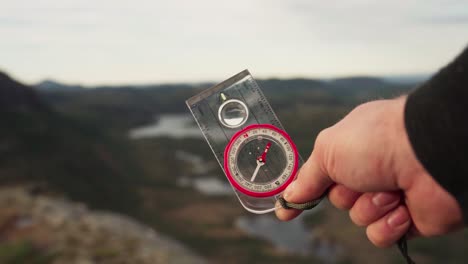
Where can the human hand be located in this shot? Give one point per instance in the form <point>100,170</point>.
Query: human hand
<point>368,164</point>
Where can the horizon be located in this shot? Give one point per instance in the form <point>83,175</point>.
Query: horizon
<point>397,79</point>
<point>110,43</point>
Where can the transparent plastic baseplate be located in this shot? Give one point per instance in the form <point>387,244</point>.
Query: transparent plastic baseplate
<point>257,156</point>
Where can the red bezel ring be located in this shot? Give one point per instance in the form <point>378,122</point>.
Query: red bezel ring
<point>239,187</point>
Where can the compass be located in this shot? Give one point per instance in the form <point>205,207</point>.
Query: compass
<point>260,160</point>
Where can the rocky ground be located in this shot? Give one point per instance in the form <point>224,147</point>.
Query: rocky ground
<point>35,228</point>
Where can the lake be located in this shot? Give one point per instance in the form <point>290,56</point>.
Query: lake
<point>168,125</point>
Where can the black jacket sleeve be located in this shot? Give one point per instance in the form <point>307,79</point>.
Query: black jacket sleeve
<point>436,119</point>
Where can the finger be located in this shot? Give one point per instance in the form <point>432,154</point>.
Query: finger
<point>342,197</point>
<point>286,214</point>
<point>372,206</point>
<point>443,208</point>
<point>310,184</point>
<point>389,229</point>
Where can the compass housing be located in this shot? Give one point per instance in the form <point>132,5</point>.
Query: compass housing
<point>280,167</point>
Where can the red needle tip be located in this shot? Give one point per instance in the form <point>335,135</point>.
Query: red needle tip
<point>262,158</point>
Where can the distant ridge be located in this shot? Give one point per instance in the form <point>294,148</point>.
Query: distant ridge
<point>272,83</point>
<point>52,85</point>
<point>407,79</point>
<point>363,82</point>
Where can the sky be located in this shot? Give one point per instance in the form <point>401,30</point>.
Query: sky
<point>150,41</point>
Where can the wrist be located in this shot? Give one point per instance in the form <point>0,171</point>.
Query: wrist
<point>433,209</point>
<point>406,166</point>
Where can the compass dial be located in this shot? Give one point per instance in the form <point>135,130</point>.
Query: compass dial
<point>260,160</point>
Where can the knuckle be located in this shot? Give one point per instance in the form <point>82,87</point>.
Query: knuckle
<point>365,106</point>
<point>341,204</point>
<point>337,202</point>
<point>357,218</point>
<point>378,239</point>
<point>323,151</point>
<point>322,138</point>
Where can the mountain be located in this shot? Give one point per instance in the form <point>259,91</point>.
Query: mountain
<point>42,147</point>
<point>48,158</point>
<point>408,78</point>
<point>359,82</point>
<point>17,97</point>
<point>52,85</point>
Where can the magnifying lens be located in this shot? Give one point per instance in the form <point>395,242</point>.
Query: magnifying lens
<point>233,113</point>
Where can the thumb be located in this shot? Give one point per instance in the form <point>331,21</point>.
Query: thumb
<point>311,183</point>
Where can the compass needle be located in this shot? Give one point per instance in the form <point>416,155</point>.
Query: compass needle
<point>259,164</point>
<point>262,158</point>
